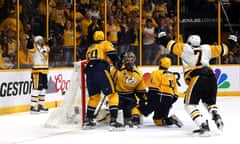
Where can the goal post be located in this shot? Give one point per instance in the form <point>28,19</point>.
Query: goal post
<point>71,112</point>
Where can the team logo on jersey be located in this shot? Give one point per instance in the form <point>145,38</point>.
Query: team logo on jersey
<point>130,80</point>
<point>221,79</point>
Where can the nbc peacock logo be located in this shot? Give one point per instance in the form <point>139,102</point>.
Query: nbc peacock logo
<point>221,79</point>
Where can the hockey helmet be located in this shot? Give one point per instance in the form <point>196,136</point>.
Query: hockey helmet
<point>130,60</point>
<point>165,62</point>
<point>98,35</point>
<point>38,38</point>
<point>194,40</point>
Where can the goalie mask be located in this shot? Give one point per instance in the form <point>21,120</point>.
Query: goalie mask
<point>130,60</point>
<point>194,40</point>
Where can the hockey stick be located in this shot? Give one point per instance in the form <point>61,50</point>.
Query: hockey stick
<point>226,16</point>
<point>99,107</point>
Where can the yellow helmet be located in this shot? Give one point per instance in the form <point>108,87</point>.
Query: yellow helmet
<point>98,35</point>
<point>165,62</point>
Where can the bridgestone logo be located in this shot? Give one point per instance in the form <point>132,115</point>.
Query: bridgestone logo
<point>15,88</point>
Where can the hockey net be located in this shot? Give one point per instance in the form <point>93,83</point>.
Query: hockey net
<point>71,112</point>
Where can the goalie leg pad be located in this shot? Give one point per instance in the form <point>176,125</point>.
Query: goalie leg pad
<point>103,116</point>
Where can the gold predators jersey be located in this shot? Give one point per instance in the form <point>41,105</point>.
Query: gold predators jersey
<point>40,58</point>
<point>128,81</point>
<point>163,80</point>
<point>99,51</point>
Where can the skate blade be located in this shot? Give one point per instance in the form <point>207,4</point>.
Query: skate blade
<point>136,126</point>
<point>112,129</point>
<point>204,134</point>
<point>88,127</point>
<point>34,112</point>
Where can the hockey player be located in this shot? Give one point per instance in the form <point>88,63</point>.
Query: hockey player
<point>162,94</point>
<point>98,56</point>
<point>199,77</point>
<point>130,87</point>
<point>40,53</point>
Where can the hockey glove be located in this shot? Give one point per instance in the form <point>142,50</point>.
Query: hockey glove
<point>163,38</point>
<point>30,43</point>
<point>231,41</point>
<point>233,38</point>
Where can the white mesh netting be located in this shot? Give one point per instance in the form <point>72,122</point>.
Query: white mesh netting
<point>71,112</point>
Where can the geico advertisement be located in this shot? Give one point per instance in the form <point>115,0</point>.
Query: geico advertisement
<point>15,87</point>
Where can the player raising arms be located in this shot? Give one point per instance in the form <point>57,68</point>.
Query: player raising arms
<point>98,77</point>
<point>199,76</point>
<point>130,87</point>
<point>40,53</point>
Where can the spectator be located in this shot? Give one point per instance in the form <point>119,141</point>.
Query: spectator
<point>112,31</point>
<point>10,45</point>
<point>124,37</point>
<point>94,12</point>
<point>25,58</point>
<point>150,47</point>
<point>87,20</point>
<point>135,39</point>
<point>11,22</point>
<point>59,16</point>
<point>68,42</point>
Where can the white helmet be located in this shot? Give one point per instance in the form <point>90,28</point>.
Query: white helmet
<point>38,38</point>
<point>194,40</point>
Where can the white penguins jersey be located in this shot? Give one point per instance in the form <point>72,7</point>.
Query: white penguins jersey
<point>40,58</point>
<point>196,57</point>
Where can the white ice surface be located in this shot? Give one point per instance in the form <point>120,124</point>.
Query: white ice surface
<point>25,128</point>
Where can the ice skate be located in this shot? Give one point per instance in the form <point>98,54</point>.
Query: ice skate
<point>128,123</point>
<point>89,123</point>
<point>204,130</point>
<point>218,120</point>
<point>34,110</point>
<point>175,120</point>
<point>43,109</point>
<point>116,126</point>
<point>136,121</point>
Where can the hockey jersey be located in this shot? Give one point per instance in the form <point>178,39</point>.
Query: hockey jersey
<point>163,81</point>
<point>40,57</point>
<point>128,81</point>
